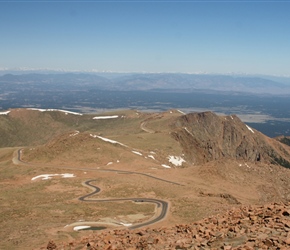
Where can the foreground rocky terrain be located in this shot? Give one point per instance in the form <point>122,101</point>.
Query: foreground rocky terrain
<point>246,227</point>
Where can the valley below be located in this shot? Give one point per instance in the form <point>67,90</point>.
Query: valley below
<point>125,178</point>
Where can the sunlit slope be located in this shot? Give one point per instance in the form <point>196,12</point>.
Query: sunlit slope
<point>169,136</point>
<point>133,139</point>
<point>22,127</point>
<point>26,127</point>
<point>207,137</point>
<point>200,163</point>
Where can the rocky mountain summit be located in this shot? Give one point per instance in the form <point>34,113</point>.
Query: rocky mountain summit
<point>245,227</point>
<point>206,136</point>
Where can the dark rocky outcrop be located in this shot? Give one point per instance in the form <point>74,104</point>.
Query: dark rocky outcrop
<point>284,139</point>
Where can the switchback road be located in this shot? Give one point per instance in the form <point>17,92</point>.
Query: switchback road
<point>162,206</point>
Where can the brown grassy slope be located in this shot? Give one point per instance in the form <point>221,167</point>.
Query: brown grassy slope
<point>24,127</point>
<point>31,211</point>
<point>83,148</point>
<point>209,187</point>
<point>223,140</point>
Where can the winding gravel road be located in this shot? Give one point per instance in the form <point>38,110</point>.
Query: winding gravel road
<point>163,205</point>
<point>159,203</point>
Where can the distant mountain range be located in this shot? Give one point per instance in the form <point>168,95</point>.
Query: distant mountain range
<point>165,82</point>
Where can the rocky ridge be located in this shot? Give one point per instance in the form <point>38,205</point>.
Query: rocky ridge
<point>206,137</point>
<point>245,227</point>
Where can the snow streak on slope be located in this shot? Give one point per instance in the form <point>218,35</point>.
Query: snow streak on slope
<point>4,113</point>
<point>105,117</point>
<point>108,140</point>
<point>250,129</point>
<point>60,110</point>
<point>49,176</point>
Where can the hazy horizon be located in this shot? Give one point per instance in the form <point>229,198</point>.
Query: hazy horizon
<point>18,71</point>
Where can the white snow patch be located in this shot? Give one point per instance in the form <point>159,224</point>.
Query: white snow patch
<point>245,164</point>
<point>181,112</point>
<point>126,224</point>
<point>165,166</point>
<point>60,110</point>
<point>67,175</point>
<point>4,113</point>
<point>77,228</point>
<point>232,117</point>
<point>176,160</point>
<point>109,163</point>
<point>188,131</point>
<point>151,156</point>
<point>49,176</point>
<point>75,133</point>
<point>152,152</point>
<point>137,153</point>
<point>105,117</point>
<point>250,129</point>
<point>107,140</point>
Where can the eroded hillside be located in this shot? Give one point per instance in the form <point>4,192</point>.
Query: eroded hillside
<point>207,137</point>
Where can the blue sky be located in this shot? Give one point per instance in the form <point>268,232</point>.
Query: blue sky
<point>147,36</point>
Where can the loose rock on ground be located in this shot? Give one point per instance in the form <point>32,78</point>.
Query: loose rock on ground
<point>246,227</point>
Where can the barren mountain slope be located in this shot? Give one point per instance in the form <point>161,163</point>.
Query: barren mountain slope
<point>30,127</point>
<point>141,136</point>
<point>23,127</point>
<point>201,164</point>
<point>206,137</point>
<point>284,139</point>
